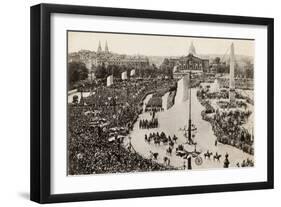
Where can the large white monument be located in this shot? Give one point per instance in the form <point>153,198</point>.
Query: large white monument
<point>182,90</point>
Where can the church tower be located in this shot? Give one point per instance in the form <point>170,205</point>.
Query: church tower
<point>99,48</point>
<point>106,48</point>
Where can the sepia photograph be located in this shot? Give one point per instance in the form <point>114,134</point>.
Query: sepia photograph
<point>156,102</point>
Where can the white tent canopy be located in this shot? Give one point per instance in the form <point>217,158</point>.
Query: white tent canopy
<point>133,72</point>
<point>124,76</point>
<point>109,80</point>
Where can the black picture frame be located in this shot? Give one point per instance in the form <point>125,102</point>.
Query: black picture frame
<point>41,96</point>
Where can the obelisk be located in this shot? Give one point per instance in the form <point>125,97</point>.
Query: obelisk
<point>231,76</point>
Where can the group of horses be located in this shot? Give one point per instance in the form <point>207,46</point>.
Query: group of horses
<point>216,156</point>
<point>154,156</point>
<point>160,138</point>
<point>183,153</point>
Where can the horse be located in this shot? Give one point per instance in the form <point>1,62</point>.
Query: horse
<point>154,155</point>
<point>175,139</point>
<point>166,161</point>
<point>208,154</point>
<point>171,144</point>
<point>169,151</point>
<point>217,157</point>
<point>180,147</point>
<point>157,141</point>
<point>145,138</point>
<point>181,153</point>
<point>165,141</point>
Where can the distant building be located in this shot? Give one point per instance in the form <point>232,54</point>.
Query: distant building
<point>99,50</point>
<point>182,65</point>
<point>73,57</point>
<point>105,57</point>
<point>129,61</point>
<point>106,48</point>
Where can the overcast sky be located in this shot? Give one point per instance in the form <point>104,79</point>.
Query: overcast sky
<point>155,45</point>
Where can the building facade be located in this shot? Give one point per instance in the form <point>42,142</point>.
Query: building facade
<point>104,57</point>
<point>183,65</point>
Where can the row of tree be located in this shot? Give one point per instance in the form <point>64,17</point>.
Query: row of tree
<point>246,71</point>
<point>103,71</point>
<point>77,71</point>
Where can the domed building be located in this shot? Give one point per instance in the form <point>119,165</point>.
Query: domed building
<point>192,49</point>
<point>191,62</point>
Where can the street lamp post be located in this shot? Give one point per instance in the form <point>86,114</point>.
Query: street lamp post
<point>189,120</point>
<point>81,99</point>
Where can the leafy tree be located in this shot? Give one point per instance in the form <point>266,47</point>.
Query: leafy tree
<point>217,60</point>
<point>77,71</point>
<point>222,68</point>
<point>101,71</point>
<point>166,61</point>
<point>249,71</point>
<point>117,71</point>
<point>249,68</point>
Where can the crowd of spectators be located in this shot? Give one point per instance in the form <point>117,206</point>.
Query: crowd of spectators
<point>241,83</point>
<point>246,163</point>
<point>227,124</point>
<point>90,121</point>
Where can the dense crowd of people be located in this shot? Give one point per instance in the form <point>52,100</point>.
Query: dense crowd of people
<point>227,124</point>
<point>204,92</point>
<point>241,83</point>
<point>227,127</point>
<point>90,151</point>
<point>90,123</point>
<point>94,148</point>
<point>246,163</point>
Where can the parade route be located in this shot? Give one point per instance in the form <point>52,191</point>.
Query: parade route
<point>176,118</point>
